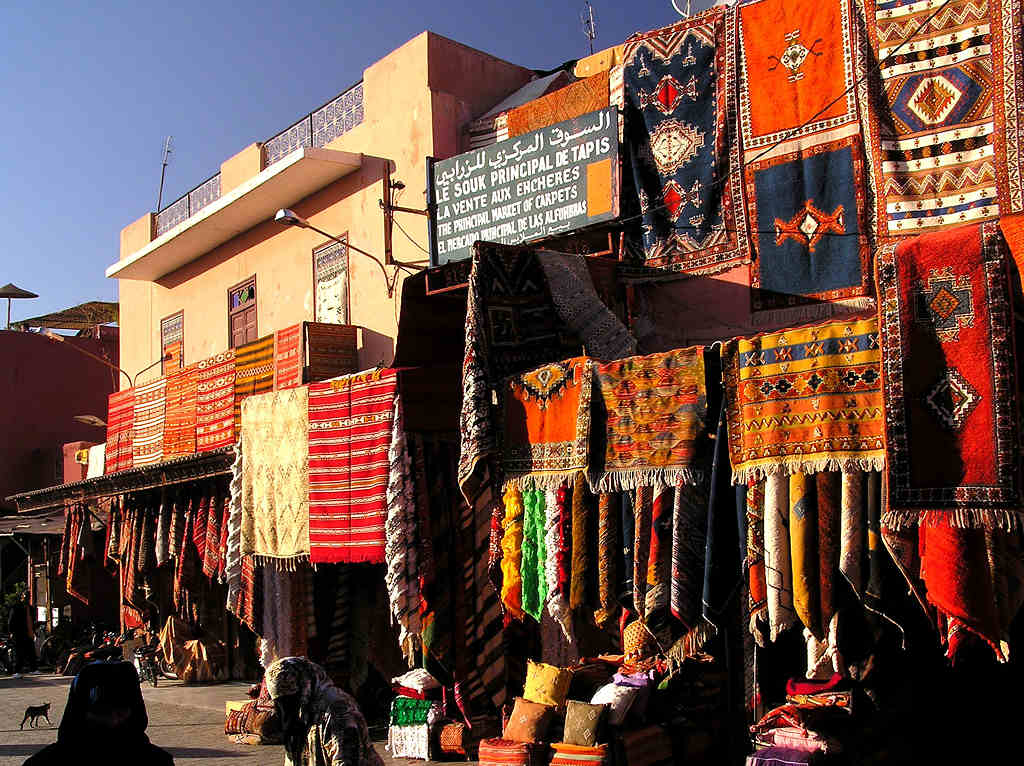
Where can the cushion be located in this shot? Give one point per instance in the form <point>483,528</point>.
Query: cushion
<point>582,721</point>
<point>546,684</point>
<point>577,755</point>
<point>618,699</point>
<point>528,722</point>
<point>504,752</point>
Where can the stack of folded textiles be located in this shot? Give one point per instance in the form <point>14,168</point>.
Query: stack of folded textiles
<point>816,719</point>
<point>415,713</point>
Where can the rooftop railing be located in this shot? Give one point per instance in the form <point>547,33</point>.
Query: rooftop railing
<point>317,129</point>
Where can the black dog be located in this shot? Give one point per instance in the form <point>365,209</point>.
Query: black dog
<point>33,713</point>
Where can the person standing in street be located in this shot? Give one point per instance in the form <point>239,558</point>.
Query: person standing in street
<point>20,626</point>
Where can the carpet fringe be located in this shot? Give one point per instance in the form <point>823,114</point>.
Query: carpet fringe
<point>622,481</point>
<point>808,465</point>
<point>282,563</point>
<point>543,482</point>
<point>960,518</point>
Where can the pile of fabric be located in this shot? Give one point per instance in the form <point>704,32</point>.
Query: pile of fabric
<point>815,720</point>
<point>416,713</point>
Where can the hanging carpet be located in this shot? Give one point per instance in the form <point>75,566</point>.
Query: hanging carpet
<point>288,357</point>
<point>647,420</point>
<point>574,100</point>
<point>681,131</point>
<point>180,423</point>
<point>254,372</point>
<point>546,425</point>
<point>952,431</point>
<point>120,417</point>
<point>215,400</point>
<point>944,121</point>
<point>275,477</point>
<point>148,425</point>
<point>350,422</point>
<point>806,399</point>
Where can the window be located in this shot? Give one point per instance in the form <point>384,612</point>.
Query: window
<point>242,313</point>
<point>172,341</point>
<point>330,283</point>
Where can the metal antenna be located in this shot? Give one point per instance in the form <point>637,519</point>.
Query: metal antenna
<point>589,27</point>
<point>168,148</point>
<point>685,14</point>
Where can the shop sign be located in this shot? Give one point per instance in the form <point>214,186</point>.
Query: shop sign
<point>556,179</point>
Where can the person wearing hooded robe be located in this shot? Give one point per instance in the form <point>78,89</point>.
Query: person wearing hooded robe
<point>104,721</point>
<point>322,725</point>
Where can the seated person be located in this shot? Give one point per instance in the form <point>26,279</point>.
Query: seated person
<point>104,721</point>
<point>322,725</point>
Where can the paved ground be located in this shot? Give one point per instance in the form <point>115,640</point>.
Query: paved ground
<point>188,721</point>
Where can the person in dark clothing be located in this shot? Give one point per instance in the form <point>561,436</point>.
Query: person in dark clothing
<point>104,721</point>
<point>19,625</point>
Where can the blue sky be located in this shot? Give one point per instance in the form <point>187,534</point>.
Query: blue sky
<point>88,91</point>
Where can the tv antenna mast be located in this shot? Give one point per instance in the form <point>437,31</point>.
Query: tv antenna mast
<point>168,149</point>
<point>685,14</point>
<point>589,26</point>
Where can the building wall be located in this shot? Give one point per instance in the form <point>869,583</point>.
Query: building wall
<point>416,100</point>
<point>43,384</point>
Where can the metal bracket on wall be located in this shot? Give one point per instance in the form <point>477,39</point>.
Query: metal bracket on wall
<point>387,205</point>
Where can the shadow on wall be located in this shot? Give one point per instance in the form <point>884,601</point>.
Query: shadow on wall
<point>375,348</point>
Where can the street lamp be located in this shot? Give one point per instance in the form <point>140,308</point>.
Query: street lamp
<point>287,217</point>
<point>61,339</point>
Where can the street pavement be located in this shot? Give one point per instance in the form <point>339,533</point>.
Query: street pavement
<point>187,721</point>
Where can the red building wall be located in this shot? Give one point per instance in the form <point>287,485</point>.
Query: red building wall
<point>43,384</point>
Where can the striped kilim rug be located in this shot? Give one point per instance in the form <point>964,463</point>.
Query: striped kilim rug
<point>180,424</point>
<point>288,357</point>
<point>120,414</point>
<point>254,372</point>
<point>215,397</point>
<point>349,434</point>
<point>332,350</point>
<point>148,428</point>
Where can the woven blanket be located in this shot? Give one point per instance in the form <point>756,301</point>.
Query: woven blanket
<point>806,399</point>
<point>608,541</point>
<point>803,534</point>
<point>350,423</point>
<point>757,589</point>
<point>546,424</point>
<point>950,380</point>
<point>254,372</point>
<point>944,118</point>
<point>275,476</point>
<point>180,423</point>
<point>120,417</point>
<point>829,496</point>
<point>681,130</point>
<point>574,100</point>
<point>647,420</point>
<point>777,563</point>
<point>659,556</point>
<point>400,545</point>
<point>853,527</point>
<point>798,70</point>
<point>958,583</point>
<point>643,511</point>
<point>406,711</point>
<point>689,533</point>
<point>511,326</point>
<point>535,586</point>
<point>288,357</point>
<point>582,310</point>
<point>582,510</point>
<point>807,211</point>
<point>512,553</point>
<point>331,350</point>
<point>215,398</point>
<point>211,554</point>
<point>148,425</point>
<point>578,755</point>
